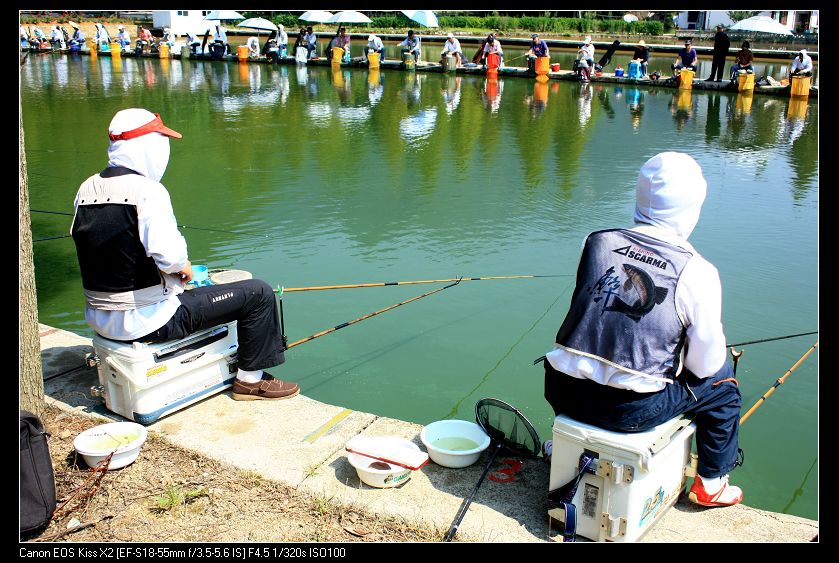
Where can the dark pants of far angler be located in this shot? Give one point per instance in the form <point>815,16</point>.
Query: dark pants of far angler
<point>716,410</point>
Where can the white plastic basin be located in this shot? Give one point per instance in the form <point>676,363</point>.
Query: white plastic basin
<point>123,438</point>
<point>454,443</point>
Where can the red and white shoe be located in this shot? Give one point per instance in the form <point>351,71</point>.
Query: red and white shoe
<point>728,495</point>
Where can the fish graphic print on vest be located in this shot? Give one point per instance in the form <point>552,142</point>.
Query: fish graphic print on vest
<point>623,310</point>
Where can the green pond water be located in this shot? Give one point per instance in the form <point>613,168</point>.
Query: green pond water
<point>355,176</point>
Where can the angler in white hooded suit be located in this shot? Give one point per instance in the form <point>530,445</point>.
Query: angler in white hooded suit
<point>643,341</point>
<point>134,263</point>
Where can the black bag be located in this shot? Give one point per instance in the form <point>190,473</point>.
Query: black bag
<point>37,481</point>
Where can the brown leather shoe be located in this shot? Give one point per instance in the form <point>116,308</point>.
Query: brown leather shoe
<point>270,388</point>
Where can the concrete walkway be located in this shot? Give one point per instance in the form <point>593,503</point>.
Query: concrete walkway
<point>300,442</point>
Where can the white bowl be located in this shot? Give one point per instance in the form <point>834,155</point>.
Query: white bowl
<point>450,442</point>
<point>381,474</point>
<point>123,438</point>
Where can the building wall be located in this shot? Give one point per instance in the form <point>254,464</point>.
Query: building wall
<point>181,21</point>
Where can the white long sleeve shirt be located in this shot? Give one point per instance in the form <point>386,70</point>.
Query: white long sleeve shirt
<point>803,65</point>
<point>698,305</point>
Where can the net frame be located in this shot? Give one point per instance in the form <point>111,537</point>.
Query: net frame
<point>505,424</point>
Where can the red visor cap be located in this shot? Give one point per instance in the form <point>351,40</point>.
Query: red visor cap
<point>153,126</point>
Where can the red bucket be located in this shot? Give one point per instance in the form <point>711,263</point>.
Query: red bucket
<point>492,60</point>
<point>555,67</point>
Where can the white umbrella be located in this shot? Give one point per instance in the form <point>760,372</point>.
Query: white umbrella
<point>318,16</point>
<point>629,18</point>
<point>224,15</point>
<point>422,17</point>
<point>258,24</point>
<point>761,24</point>
<point>349,16</point>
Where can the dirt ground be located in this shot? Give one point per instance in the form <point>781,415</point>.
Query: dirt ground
<point>174,495</point>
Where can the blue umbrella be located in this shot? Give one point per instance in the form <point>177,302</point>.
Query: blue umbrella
<point>423,17</point>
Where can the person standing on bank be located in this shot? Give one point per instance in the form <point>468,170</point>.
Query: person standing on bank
<point>134,263</point>
<point>721,46</point>
<point>643,340</point>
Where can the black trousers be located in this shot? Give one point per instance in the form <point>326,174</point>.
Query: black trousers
<point>249,302</point>
<point>717,68</point>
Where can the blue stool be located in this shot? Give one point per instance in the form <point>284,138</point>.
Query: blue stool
<point>635,70</point>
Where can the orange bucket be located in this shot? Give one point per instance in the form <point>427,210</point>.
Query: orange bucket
<point>242,53</point>
<point>543,65</point>
<point>492,61</point>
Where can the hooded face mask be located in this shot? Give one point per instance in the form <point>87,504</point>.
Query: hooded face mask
<point>670,193</point>
<point>140,142</point>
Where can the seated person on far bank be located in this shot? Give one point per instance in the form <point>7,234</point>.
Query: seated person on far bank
<point>134,264</point>
<point>686,58</point>
<point>411,45</point>
<point>493,45</point>
<point>538,48</point>
<point>123,37</point>
<point>802,64</point>
<point>742,60</point>
<point>452,47</point>
<point>641,55</point>
<point>192,41</point>
<point>643,342</point>
<point>310,41</point>
<point>374,45</point>
<point>253,47</point>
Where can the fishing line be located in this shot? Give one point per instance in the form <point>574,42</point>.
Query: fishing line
<point>483,380</point>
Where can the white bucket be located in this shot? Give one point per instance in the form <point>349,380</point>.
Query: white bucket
<point>124,439</point>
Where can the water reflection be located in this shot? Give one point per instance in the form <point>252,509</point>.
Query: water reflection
<point>584,104</point>
<point>681,108</point>
<point>451,93</point>
<point>411,89</point>
<point>744,102</point>
<point>712,118</point>
<point>416,128</point>
<point>375,88</point>
<point>491,93</point>
<point>635,102</point>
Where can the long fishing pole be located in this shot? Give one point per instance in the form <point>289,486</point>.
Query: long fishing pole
<point>777,384</point>
<point>181,226</point>
<point>282,290</point>
<point>771,339</point>
<point>359,319</point>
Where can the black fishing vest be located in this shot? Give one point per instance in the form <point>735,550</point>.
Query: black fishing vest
<point>116,272</point>
<point>623,310</point>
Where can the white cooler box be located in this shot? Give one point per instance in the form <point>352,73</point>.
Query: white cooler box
<point>637,476</point>
<point>144,382</point>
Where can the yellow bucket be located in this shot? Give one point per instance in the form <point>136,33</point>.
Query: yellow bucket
<point>408,61</point>
<point>164,50</point>
<point>337,55</point>
<point>116,49</point>
<point>744,101</point>
<point>543,65</point>
<point>800,86</point>
<point>746,81</point>
<point>686,79</point>
<point>373,60</point>
<point>242,53</point>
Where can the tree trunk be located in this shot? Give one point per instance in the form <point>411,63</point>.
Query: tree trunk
<point>30,382</point>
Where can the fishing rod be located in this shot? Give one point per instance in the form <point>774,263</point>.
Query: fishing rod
<point>180,226</point>
<point>282,290</point>
<point>359,319</point>
<point>777,384</point>
<point>771,339</point>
